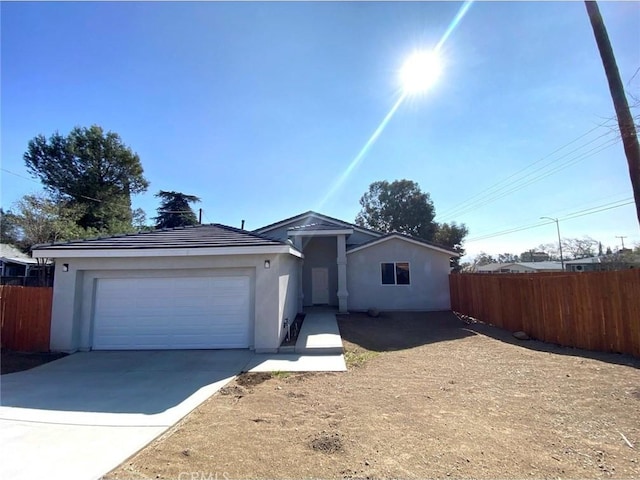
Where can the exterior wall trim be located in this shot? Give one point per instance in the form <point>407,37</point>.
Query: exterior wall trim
<point>401,237</point>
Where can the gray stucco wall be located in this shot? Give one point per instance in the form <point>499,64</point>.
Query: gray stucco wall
<point>429,273</point>
<point>288,295</point>
<point>73,294</point>
<point>320,252</point>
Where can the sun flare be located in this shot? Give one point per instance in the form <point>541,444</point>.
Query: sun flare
<point>420,71</point>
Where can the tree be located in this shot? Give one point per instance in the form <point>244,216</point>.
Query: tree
<point>480,260</point>
<point>399,206</point>
<point>92,170</point>
<point>8,228</point>
<point>39,219</point>
<point>451,235</point>
<point>175,210</point>
<point>508,258</point>
<point>579,247</point>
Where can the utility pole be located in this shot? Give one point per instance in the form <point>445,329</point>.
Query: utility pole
<point>625,120</point>
<point>199,216</point>
<point>559,239</point>
<point>621,237</point>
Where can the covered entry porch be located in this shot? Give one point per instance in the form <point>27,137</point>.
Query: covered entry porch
<point>323,270</point>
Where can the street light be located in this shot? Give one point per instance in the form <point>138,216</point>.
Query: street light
<point>559,241</point>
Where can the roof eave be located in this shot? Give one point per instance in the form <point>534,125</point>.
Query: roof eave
<point>165,252</point>
<point>281,223</point>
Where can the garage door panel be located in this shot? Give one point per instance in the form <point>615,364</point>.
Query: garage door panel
<point>165,312</point>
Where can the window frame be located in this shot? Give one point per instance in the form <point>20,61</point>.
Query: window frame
<point>395,274</point>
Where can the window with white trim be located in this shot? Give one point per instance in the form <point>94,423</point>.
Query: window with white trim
<point>395,273</point>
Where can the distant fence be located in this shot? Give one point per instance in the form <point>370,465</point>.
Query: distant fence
<point>25,318</point>
<point>35,281</point>
<point>592,310</point>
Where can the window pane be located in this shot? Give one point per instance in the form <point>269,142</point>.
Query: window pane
<point>402,273</point>
<point>387,274</point>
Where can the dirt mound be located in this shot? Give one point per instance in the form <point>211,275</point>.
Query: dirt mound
<point>326,442</point>
<point>248,379</point>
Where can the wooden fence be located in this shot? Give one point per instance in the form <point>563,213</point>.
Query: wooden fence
<point>25,318</point>
<point>592,310</point>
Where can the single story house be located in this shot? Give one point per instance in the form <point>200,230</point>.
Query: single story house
<point>215,286</point>
<point>14,263</point>
<point>521,267</point>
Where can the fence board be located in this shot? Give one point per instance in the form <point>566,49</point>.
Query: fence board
<point>592,310</point>
<point>25,318</point>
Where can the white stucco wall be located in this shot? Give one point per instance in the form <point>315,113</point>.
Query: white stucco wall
<point>73,294</point>
<point>429,277</point>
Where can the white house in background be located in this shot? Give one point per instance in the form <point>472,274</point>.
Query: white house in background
<point>14,263</point>
<point>521,267</point>
<point>214,286</point>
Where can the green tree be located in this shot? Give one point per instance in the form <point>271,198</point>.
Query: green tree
<point>40,219</point>
<point>451,235</point>
<point>8,228</point>
<point>175,210</point>
<point>92,170</point>
<point>399,206</point>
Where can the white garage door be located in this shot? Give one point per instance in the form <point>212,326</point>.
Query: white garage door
<point>172,313</point>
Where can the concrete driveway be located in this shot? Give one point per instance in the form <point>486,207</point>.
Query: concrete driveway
<point>81,416</point>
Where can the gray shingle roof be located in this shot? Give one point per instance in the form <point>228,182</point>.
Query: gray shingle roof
<point>199,236</point>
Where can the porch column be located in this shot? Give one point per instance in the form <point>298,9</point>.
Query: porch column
<point>297,242</point>
<point>342,274</point>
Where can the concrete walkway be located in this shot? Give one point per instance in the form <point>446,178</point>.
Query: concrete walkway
<point>319,334</point>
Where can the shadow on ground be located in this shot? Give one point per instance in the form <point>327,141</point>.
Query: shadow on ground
<point>507,337</point>
<point>401,330</point>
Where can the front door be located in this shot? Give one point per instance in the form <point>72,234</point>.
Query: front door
<point>320,286</point>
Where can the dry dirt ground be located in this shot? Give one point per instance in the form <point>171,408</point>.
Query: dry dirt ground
<point>426,396</point>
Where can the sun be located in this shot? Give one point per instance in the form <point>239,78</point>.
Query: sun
<point>420,72</point>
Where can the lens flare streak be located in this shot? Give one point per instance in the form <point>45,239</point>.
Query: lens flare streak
<point>454,23</point>
<point>367,146</point>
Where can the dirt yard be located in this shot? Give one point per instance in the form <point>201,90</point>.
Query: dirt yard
<point>426,396</point>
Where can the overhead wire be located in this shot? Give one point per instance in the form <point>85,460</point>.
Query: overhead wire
<point>496,187</point>
<point>580,213</point>
<point>39,183</point>
<point>519,186</point>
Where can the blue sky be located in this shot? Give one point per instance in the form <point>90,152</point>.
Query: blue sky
<point>258,108</point>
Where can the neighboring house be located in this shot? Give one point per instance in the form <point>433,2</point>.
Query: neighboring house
<point>521,267</point>
<point>590,264</point>
<point>214,286</point>
<point>14,263</point>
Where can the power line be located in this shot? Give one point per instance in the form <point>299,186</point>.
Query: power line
<point>556,213</point>
<point>34,181</point>
<point>492,197</point>
<point>580,213</point>
<point>492,187</point>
